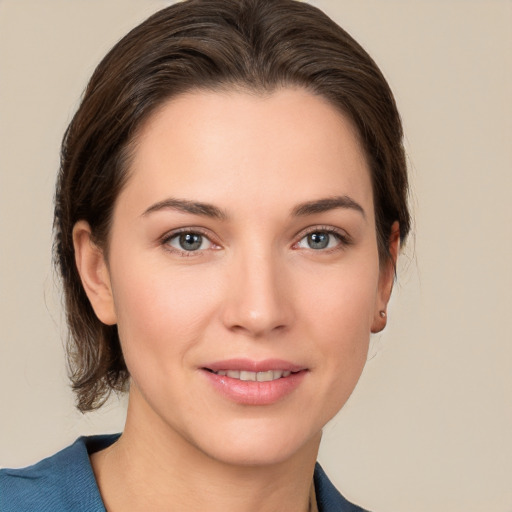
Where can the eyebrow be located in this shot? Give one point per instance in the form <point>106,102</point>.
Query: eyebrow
<point>326,204</point>
<point>183,205</point>
<point>301,210</point>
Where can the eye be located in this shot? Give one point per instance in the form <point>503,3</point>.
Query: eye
<point>320,240</point>
<point>189,241</point>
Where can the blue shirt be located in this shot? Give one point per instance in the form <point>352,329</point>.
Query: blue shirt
<point>65,482</point>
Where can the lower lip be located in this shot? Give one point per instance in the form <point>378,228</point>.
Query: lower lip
<point>248,392</point>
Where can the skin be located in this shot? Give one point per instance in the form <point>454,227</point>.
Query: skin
<point>254,289</point>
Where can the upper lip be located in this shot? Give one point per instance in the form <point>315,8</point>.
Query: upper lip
<point>249,365</point>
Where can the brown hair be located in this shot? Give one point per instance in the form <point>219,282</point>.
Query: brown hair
<point>258,45</point>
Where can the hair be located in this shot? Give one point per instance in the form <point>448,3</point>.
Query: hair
<point>256,45</point>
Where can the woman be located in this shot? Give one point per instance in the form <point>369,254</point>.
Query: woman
<point>229,210</point>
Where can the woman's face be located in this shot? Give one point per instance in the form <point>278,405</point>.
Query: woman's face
<point>243,246</point>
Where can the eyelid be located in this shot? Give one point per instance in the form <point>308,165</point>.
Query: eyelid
<point>164,240</point>
<point>344,238</point>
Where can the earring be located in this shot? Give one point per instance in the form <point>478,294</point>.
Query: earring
<point>382,314</point>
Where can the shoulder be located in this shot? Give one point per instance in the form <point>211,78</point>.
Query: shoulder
<point>328,497</point>
<point>60,483</point>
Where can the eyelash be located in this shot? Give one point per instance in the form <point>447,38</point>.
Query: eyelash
<point>185,231</point>
<point>342,237</point>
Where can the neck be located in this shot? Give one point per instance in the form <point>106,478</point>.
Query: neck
<point>153,467</point>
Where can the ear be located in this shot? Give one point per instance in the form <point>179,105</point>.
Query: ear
<point>93,270</point>
<point>386,279</point>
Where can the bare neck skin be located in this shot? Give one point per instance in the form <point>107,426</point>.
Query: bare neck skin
<point>153,468</point>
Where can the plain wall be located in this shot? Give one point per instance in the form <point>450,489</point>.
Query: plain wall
<point>429,426</point>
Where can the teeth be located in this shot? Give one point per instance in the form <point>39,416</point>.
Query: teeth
<point>255,376</point>
<point>266,376</point>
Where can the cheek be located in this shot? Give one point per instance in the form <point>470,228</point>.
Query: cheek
<point>339,315</point>
<point>160,313</point>
<point>342,302</point>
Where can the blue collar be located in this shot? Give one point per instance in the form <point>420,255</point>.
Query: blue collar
<point>65,482</point>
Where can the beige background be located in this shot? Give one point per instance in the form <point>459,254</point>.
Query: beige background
<point>430,425</point>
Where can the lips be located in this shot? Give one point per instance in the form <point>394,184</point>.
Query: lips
<point>250,365</point>
<point>254,382</point>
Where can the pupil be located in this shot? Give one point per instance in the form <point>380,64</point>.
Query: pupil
<point>191,241</point>
<point>318,240</point>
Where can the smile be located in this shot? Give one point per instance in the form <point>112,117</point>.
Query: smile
<point>266,376</point>
<point>254,382</point>
<point>255,388</point>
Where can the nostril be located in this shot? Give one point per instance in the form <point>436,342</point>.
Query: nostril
<point>258,330</point>
<point>257,307</point>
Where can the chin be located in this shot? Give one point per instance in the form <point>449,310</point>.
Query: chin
<point>251,443</point>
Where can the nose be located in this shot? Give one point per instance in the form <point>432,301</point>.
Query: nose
<point>258,301</point>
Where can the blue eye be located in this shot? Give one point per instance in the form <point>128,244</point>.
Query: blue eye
<point>189,242</point>
<point>319,240</point>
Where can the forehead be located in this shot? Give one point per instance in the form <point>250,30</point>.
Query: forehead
<point>288,146</point>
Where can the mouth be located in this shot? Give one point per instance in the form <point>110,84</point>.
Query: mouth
<point>266,376</point>
<point>250,382</point>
